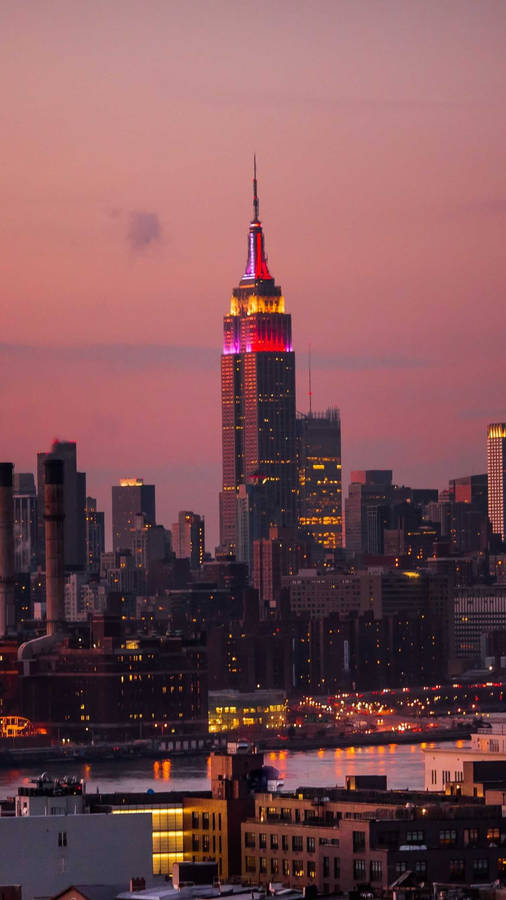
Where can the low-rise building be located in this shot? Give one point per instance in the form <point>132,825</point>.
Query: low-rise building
<point>234,711</point>
<point>341,840</point>
<point>118,687</point>
<point>197,826</point>
<point>53,841</point>
<point>445,764</point>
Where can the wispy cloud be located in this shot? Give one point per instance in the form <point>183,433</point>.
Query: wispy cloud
<point>147,356</point>
<point>369,361</point>
<point>127,356</point>
<point>143,229</point>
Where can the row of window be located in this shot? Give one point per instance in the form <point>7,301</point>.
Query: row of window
<point>284,814</point>
<point>360,870</point>
<point>445,776</point>
<point>206,844</point>
<point>297,842</point>
<point>448,837</point>
<point>419,866</point>
<point>295,868</point>
<point>456,868</point>
<point>206,821</point>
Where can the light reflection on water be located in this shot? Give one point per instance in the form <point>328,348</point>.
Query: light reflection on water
<point>402,764</point>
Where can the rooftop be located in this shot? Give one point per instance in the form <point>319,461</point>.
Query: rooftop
<point>45,786</point>
<point>202,892</point>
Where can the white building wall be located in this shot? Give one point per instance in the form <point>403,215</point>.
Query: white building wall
<point>46,854</point>
<point>446,764</point>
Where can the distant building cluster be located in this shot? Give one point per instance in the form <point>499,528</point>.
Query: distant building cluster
<point>142,637</point>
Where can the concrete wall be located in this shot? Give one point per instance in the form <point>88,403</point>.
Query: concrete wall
<point>100,849</point>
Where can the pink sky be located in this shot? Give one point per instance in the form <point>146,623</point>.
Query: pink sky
<point>128,132</point>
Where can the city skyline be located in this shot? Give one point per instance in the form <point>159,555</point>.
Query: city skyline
<point>383,200</point>
<point>253,516</point>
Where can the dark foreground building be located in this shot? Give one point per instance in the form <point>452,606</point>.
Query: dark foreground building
<point>258,397</point>
<point>118,688</point>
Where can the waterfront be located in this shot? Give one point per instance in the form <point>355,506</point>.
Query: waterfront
<point>402,764</point>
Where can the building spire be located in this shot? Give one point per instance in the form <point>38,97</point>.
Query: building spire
<point>256,265</point>
<point>255,189</point>
<point>309,377</point>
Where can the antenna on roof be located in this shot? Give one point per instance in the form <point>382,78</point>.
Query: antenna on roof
<point>309,379</point>
<point>255,187</point>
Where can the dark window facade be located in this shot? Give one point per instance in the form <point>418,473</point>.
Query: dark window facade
<point>376,870</point>
<point>358,841</point>
<point>359,870</point>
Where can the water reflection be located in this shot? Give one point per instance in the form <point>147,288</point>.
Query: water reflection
<point>161,769</point>
<point>402,764</point>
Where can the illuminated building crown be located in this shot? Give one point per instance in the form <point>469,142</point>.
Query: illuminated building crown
<point>256,265</point>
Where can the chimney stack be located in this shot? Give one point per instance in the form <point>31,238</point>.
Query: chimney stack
<point>55,568</point>
<point>6,549</point>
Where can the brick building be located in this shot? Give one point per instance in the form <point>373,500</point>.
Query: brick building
<point>341,839</point>
<point>117,687</point>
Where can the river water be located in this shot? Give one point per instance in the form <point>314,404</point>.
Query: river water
<point>402,764</point>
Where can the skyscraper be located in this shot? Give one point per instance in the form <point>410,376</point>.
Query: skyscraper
<point>468,515</point>
<point>258,394</point>
<point>188,538</point>
<point>95,535</point>
<point>369,494</point>
<point>496,457</point>
<point>320,497</point>
<point>129,499</point>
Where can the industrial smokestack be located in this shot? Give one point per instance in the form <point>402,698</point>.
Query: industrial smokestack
<point>6,549</point>
<point>55,567</point>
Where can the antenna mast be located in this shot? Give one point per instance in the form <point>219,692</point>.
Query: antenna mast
<point>255,188</point>
<point>309,378</point>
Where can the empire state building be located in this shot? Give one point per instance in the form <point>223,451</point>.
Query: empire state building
<point>258,396</point>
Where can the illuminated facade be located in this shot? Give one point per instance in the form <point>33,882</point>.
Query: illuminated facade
<point>320,497</point>
<point>167,828</point>
<point>258,395</point>
<point>496,457</point>
<point>234,711</point>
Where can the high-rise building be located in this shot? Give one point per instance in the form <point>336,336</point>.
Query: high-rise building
<point>369,495</point>
<point>130,498</point>
<point>282,553</point>
<point>496,457</point>
<point>74,500</point>
<point>188,538</point>
<point>319,458</point>
<point>250,520</point>
<point>25,522</point>
<point>95,535</point>
<point>471,489</point>
<point>258,394</point>
<point>148,543</point>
